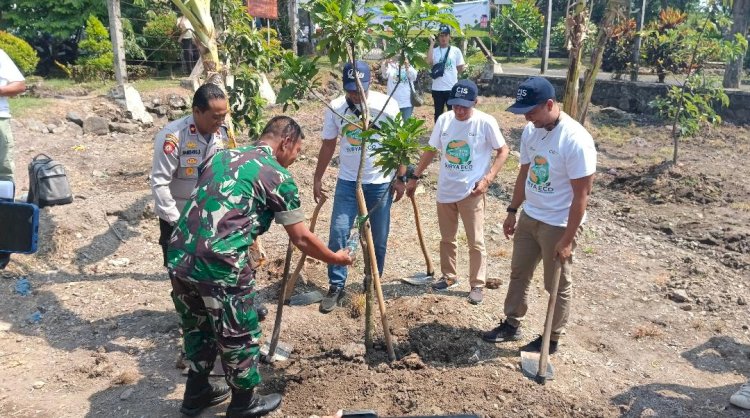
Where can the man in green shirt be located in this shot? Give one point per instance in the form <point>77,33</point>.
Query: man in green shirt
<point>238,195</point>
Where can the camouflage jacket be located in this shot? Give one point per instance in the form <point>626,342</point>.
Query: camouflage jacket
<point>239,193</point>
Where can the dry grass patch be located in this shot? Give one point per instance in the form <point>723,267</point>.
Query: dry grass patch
<point>647,331</point>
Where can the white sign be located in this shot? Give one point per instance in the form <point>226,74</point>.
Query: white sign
<point>469,14</point>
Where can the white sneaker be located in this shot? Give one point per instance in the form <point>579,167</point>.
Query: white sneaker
<point>741,398</point>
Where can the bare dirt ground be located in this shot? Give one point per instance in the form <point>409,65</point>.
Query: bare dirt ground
<point>659,327</point>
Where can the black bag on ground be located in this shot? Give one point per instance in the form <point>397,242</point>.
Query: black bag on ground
<point>438,69</point>
<point>48,182</point>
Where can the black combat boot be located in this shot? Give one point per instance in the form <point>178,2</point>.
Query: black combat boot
<point>200,394</point>
<point>248,404</point>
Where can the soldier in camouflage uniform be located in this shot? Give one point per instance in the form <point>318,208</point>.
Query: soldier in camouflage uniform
<point>239,193</point>
<point>179,149</point>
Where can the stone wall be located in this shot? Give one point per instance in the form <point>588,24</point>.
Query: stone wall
<point>629,96</point>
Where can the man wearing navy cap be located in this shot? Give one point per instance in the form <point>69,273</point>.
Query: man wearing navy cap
<point>558,161</point>
<point>466,138</point>
<point>342,121</point>
<point>453,63</point>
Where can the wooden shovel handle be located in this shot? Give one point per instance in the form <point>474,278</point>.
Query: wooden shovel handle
<point>287,291</point>
<point>280,305</point>
<point>541,374</point>
<point>427,260</point>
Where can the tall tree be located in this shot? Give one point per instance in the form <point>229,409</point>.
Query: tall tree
<point>58,18</point>
<point>740,18</point>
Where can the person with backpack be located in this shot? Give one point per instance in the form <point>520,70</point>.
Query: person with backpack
<point>446,63</point>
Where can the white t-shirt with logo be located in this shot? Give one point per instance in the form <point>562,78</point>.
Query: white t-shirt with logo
<point>402,95</point>
<point>466,150</point>
<point>349,146</point>
<point>555,157</point>
<point>452,61</point>
<point>8,74</point>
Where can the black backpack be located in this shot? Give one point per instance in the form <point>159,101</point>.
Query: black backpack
<point>48,182</point>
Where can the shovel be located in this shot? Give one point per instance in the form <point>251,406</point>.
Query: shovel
<point>537,365</point>
<point>289,288</point>
<point>270,357</point>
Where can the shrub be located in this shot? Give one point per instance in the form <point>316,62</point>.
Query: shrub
<point>618,54</point>
<point>557,39</point>
<point>519,27</point>
<point>96,58</point>
<point>162,36</point>
<point>22,54</point>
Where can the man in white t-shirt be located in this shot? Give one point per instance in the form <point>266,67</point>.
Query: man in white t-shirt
<point>467,138</point>
<point>343,123</point>
<point>558,161</point>
<point>454,64</point>
<point>11,83</point>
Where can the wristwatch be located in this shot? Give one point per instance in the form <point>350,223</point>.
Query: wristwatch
<point>403,179</point>
<point>511,210</point>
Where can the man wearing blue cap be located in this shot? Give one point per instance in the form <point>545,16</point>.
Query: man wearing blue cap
<point>446,63</point>
<point>558,161</point>
<point>343,121</point>
<point>466,138</point>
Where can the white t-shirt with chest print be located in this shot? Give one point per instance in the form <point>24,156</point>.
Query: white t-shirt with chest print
<point>555,157</point>
<point>350,145</point>
<point>466,150</point>
<point>453,59</point>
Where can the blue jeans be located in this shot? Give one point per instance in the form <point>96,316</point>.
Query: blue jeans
<point>406,112</point>
<point>342,219</point>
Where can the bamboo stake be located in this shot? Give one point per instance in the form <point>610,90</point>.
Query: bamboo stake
<point>375,274</point>
<point>427,260</point>
<point>301,263</point>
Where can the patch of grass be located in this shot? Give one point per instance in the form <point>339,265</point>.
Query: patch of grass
<point>128,377</point>
<point>536,62</point>
<point>589,250</point>
<point>357,308</point>
<point>611,135</point>
<point>742,206</point>
<point>22,106</point>
<point>647,331</point>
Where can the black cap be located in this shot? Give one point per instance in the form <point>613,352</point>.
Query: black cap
<point>531,93</point>
<point>445,29</point>
<point>464,93</point>
<point>362,72</point>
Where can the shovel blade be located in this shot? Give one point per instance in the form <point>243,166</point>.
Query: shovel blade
<point>418,279</point>
<point>304,299</point>
<point>282,352</point>
<point>530,367</point>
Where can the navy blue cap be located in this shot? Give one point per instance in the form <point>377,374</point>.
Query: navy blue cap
<point>363,73</point>
<point>445,29</point>
<point>531,93</point>
<point>464,93</point>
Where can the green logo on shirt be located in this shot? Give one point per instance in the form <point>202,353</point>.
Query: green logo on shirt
<point>538,180</point>
<point>458,152</point>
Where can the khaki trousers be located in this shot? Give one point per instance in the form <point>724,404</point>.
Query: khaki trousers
<point>6,150</point>
<point>535,241</point>
<point>471,210</point>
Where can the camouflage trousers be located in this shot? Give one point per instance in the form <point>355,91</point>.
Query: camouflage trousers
<point>218,319</point>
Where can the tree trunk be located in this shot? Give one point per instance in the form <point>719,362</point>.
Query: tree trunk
<point>614,8</point>
<point>740,16</point>
<point>577,24</point>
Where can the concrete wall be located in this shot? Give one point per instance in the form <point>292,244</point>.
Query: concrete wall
<point>625,95</point>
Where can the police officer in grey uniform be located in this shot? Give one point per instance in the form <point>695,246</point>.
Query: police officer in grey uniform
<point>179,149</point>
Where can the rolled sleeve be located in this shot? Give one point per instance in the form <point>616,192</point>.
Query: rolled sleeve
<point>289,217</point>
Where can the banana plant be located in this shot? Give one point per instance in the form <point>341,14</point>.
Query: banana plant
<point>346,33</point>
